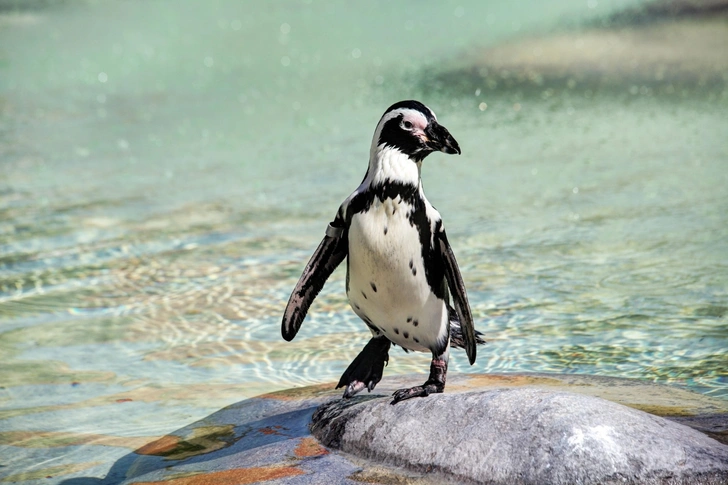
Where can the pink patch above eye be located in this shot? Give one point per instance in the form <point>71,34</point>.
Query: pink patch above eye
<point>417,122</point>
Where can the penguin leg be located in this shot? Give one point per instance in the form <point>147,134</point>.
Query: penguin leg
<point>435,383</point>
<point>366,370</point>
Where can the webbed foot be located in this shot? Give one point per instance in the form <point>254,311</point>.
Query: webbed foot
<point>435,384</point>
<point>417,391</point>
<point>367,369</point>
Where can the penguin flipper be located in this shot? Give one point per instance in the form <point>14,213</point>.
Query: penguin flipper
<point>459,295</point>
<point>329,254</point>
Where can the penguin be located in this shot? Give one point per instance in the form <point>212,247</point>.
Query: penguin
<point>401,270</point>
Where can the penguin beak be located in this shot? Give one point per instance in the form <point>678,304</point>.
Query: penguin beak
<point>440,140</point>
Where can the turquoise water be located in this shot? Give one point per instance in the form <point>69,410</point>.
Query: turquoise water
<point>167,171</point>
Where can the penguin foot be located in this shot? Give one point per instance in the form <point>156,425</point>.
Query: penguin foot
<point>417,391</point>
<point>435,384</point>
<point>367,369</point>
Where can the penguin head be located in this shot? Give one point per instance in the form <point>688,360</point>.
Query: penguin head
<point>412,128</point>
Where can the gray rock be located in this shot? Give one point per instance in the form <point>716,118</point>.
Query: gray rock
<point>523,436</point>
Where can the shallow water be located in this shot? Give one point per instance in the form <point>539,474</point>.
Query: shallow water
<point>166,172</point>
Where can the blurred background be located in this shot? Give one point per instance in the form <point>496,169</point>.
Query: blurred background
<point>167,168</point>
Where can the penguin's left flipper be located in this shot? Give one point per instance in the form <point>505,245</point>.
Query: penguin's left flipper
<point>366,370</point>
<point>329,254</point>
<point>459,295</point>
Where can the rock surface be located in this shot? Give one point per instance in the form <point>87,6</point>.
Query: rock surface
<point>523,436</point>
<point>267,438</point>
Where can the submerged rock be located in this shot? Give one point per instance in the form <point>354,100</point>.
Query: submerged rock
<point>523,436</point>
<point>669,48</point>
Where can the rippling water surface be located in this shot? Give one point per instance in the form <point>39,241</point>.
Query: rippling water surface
<point>166,171</point>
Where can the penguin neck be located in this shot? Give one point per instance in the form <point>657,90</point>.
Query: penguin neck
<point>388,165</point>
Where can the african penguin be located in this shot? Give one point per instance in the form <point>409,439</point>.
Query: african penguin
<point>400,267</point>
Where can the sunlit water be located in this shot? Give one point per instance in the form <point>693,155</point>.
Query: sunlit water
<point>166,172</point>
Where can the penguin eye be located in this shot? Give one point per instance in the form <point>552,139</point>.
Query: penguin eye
<point>407,125</point>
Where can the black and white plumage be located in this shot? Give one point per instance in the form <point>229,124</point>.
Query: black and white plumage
<point>401,270</point>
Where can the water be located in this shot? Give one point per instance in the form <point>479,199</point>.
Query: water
<point>167,171</point>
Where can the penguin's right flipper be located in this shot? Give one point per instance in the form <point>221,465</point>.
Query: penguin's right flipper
<point>367,368</point>
<point>329,254</point>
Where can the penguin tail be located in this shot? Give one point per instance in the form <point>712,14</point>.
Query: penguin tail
<point>456,331</point>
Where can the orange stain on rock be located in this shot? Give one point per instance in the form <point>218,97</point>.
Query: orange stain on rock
<point>271,430</point>
<point>479,381</point>
<point>309,447</point>
<point>236,476</point>
<point>197,441</point>
<point>163,445</point>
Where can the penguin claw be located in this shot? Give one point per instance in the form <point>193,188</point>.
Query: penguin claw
<point>404,394</point>
<point>366,370</point>
<point>417,391</point>
<point>355,387</point>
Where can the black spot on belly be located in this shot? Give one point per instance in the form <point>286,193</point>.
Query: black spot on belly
<point>415,323</point>
<point>406,334</point>
<point>396,330</point>
<point>385,230</point>
<point>356,306</point>
<point>411,263</point>
<point>374,287</point>
<point>416,339</point>
<point>364,295</point>
<point>414,271</point>
<point>409,319</point>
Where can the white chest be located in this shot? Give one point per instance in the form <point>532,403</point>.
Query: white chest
<point>387,283</point>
